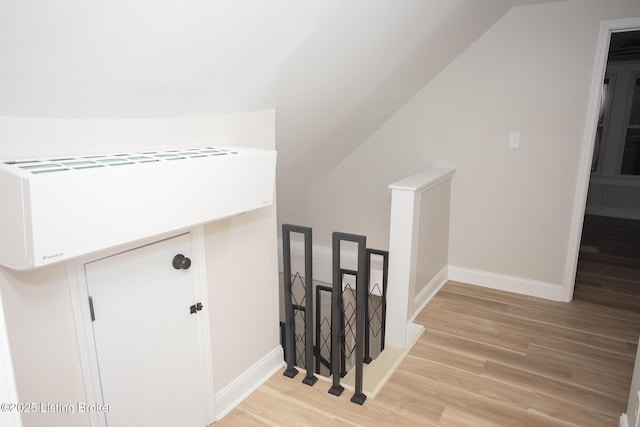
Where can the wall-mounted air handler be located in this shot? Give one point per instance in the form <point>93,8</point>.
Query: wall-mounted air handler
<point>58,208</point>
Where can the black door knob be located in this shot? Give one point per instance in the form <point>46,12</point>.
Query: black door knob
<point>181,262</point>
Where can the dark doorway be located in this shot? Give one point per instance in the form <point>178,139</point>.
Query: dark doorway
<point>609,260</point>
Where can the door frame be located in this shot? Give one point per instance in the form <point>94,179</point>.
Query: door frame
<point>586,154</point>
<point>78,290</point>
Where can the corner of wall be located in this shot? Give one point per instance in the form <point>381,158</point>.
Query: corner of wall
<point>239,389</point>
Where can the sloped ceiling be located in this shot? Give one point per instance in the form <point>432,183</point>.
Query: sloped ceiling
<point>334,70</point>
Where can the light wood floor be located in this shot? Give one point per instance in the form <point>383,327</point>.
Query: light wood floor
<point>490,358</point>
<point>487,358</point>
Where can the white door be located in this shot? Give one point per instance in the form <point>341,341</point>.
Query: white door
<point>146,336</point>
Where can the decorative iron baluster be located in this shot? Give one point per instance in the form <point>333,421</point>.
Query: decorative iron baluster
<point>307,283</point>
<point>299,316</point>
<point>361,299</point>
<point>348,311</point>
<point>323,340</point>
<point>376,311</point>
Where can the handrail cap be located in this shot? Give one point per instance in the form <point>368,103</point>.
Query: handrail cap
<point>424,180</point>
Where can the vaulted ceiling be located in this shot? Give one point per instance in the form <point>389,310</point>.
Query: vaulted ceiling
<point>334,70</point>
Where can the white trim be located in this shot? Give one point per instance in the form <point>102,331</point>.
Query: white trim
<point>518,285</point>
<point>624,421</point>
<point>234,393</point>
<point>586,154</point>
<point>414,330</point>
<point>204,324</point>
<point>79,295</point>
<point>84,331</point>
<point>8,390</point>
<point>428,292</point>
<point>424,180</point>
<point>403,253</point>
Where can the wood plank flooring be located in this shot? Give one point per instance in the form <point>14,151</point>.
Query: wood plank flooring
<point>491,358</point>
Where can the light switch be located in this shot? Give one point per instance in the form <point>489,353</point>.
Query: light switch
<point>514,140</point>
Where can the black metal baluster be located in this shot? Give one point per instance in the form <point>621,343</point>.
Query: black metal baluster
<point>380,308</point>
<point>310,378</point>
<point>346,326</point>
<point>367,319</point>
<point>290,351</point>
<point>336,389</point>
<point>361,299</point>
<point>385,277</point>
<point>362,294</point>
<point>320,321</point>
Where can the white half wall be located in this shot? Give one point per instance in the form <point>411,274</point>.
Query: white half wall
<point>418,248</point>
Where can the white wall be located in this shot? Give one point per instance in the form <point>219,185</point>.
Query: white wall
<point>244,295</point>
<point>37,303</point>
<point>511,210</point>
<point>38,137</point>
<point>8,392</point>
<point>43,344</point>
<point>334,69</point>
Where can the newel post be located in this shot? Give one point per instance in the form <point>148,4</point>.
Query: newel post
<point>408,215</point>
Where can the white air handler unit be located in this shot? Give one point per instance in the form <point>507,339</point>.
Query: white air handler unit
<point>55,209</point>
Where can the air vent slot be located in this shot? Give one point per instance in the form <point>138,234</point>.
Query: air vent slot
<point>39,166</point>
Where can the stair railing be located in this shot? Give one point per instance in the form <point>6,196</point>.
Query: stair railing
<point>333,350</point>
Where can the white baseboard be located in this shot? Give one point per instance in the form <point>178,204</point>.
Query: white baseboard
<point>424,296</point>
<point>503,282</point>
<point>234,393</point>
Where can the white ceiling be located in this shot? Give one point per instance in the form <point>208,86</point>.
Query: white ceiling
<point>334,70</point>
